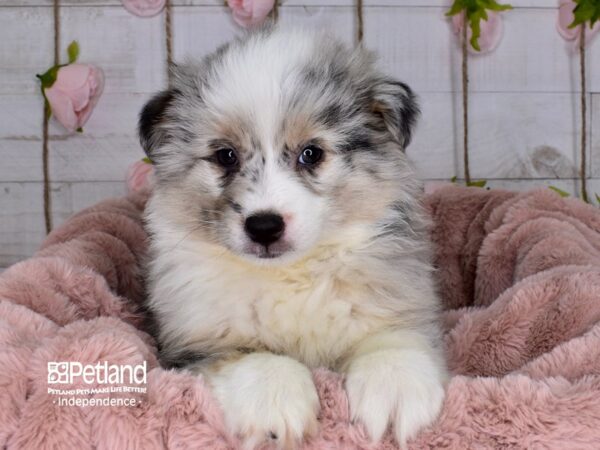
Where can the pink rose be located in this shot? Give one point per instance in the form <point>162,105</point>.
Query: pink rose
<point>74,94</point>
<point>139,176</point>
<point>249,13</point>
<point>144,8</point>
<point>491,31</point>
<point>566,17</point>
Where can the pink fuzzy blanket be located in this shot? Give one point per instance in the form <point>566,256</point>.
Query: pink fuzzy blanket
<point>520,279</point>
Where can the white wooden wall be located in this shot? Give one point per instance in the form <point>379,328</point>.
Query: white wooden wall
<point>524,101</point>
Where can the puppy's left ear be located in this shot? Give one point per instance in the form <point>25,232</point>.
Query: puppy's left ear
<point>396,104</point>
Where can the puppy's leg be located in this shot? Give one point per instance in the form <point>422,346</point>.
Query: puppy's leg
<point>264,397</point>
<point>395,377</point>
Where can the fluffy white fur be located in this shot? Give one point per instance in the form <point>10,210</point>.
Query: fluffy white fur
<point>266,395</point>
<point>352,289</point>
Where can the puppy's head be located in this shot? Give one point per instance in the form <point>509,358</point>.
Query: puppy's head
<point>279,142</point>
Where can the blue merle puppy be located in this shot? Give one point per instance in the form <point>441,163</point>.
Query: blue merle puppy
<point>287,234</point>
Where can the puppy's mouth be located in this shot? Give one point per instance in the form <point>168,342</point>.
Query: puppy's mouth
<point>266,254</point>
<point>271,251</point>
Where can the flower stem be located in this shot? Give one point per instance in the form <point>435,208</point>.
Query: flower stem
<point>45,134</point>
<point>169,38</point>
<point>46,171</point>
<point>584,194</point>
<point>359,21</point>
<point>465,92</point>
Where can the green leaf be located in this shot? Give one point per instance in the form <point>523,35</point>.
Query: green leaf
<point>479,183</point>
<point>475,11</point>
<point>49,77</point>
<point>147,160</point>
<point>492,5</point>
<point>79,130</point>
<point>585,11</point>
<point>73,51</point>
<point>559,191</point>
<point>453,179</point>
<point>474,23</point>
<point>457,7</point>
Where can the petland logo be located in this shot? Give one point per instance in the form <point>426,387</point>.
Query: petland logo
<point>100,373</point>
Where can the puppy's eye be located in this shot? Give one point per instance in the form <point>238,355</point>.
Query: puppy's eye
<point>310,155</point>
<point>227,157</point>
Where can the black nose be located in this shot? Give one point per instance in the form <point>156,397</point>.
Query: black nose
<point>264,228</point>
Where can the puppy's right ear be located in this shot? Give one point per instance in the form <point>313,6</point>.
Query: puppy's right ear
<point>152,125</point>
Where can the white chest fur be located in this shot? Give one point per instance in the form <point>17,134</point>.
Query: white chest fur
<point>314,310</point>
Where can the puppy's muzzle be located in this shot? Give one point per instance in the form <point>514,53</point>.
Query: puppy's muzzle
<point>264,228</point>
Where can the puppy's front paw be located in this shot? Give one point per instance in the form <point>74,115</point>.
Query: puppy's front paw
<point>401,387</point>
<point>267,398</point>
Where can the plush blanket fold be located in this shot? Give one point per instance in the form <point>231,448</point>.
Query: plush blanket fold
<point>520,279</point>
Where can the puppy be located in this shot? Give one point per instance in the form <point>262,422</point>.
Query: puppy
<point>287,234</point>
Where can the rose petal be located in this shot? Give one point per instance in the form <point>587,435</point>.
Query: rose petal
<point>564,19</point>
<point>144,8</point>
<point>260,9</point>
<point>242,18</point>
<point>62,108</point>
<point>249,13</point>
<point>73,81</point>
<point>139,176</point>
<point>72,98</point>
<point>79,97</point>
<point>72,77</point>
<point>96,83</point>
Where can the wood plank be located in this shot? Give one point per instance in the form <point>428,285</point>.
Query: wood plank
<point>24,49</point>
<point>550,4</point>
<point>21,221</point>
<point>512,136</point>
<point>133,54</point>
<point>199,31</point>
<point>594,126</point>
<point>593,190</point>
<point>340,21</point>
<point>22,227</point>
<point>569,186</point>
<point>209,27</point>
<point>572,187</point>
<point>547,4</point>
<point>516,136</point>
<point>532,56</point>
<point>21,119</point>
<point>108,145</point>
<point>70,198</point>
<point>129,50</point>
